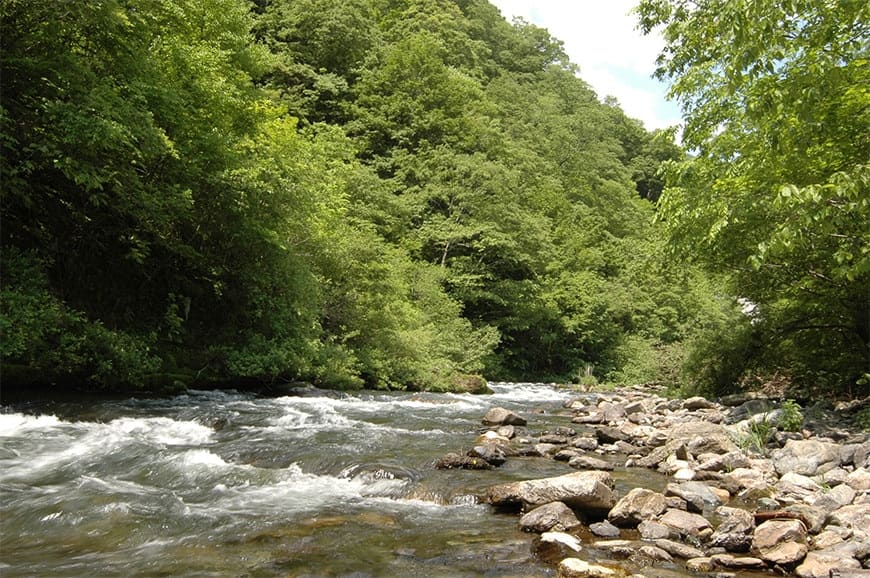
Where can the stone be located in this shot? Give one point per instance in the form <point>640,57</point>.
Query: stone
<point>679,550</point>
<point>454,461</point>
<point>609,435</point>
<point>565,455</point>
<point>698,495</point>
<point>655,553</point>
<point>617,548</point>
<point>695,403</point>
<point>703,437</point>
<point>576,568</point>
<point>507,431</point>
<point>700,565</point>
<point>650,530</point>
<point>552,547</point>
<point>502,416</point>
<point>554,439</point>
<point>826,539</point>
<point>553,516</point>
<point>638,505</point>
<point>823,564</point>
<point>684,474</point>
<point>589,463</point>
<point>797,485</point>
<point>855,454</point>
<point>855,516</point>
<point>738,562</point>
<point>835,498</point>
<point>859,480</point>
<point>686,523</point>
<point>780,541</point>
<point>604,529</point>
<point>734,532</point>
<point>725,462</point>
<point>806,457</point>
<point>489,452</point>
<point>584,443</point>
<point>592,490</point>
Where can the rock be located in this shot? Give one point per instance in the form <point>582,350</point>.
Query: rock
<point>797,485</point>
<point>591,419</point>
<point>684,474</point>
<point>552,547</point>
<point>502,416</point>
<point>835,477</point>
<point>604,529</point>
<point>781,541</point>
<point>507,432</point>
<point>609,435</point>
<point>489,452</point>
<point>823,564</point>
<point>451,461</point>
<point>661,454</point>
<point>650,530</point>
<point>826,539</point>
<point>734,532</point>
<point>855,516</point>
<point>695,403</point>
<point>584,443</point>
<point>738,562</point>
<point>859,480</point>
<point>725,462</point>
<point>679,550</point>
<point>589,463</point>
<point>687,524</point>
<point>576,568</point>
<point>855,454</point>
<point>703,437</point>
<point>591,490</point>
<point>565,455</point>
<point>554,439</point>
<point>698,495</point>
<point>553,516</point>
<point>617,548</point>
<point>700,565</point>
<point>835,498</point>
<point>638,505</point>
<point>806,457</point>
<point>655,554</point>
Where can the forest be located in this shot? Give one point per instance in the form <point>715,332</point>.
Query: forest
<point>412,194</point>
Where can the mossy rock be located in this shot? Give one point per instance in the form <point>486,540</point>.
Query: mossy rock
<point>466,383</point>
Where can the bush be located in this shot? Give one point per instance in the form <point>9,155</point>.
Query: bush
<point>791,418</point>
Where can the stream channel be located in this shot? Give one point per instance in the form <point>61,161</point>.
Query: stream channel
<point>217,483</point>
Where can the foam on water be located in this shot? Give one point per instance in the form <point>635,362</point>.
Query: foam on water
<point>13,424</point>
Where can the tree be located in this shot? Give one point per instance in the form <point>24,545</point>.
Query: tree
<point>777,108</point>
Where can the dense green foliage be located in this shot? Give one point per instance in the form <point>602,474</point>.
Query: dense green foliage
<point>776,97</point>
<point>382,193</point>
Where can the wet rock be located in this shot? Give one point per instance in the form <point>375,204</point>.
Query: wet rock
<point>855,516</point>
<point>576,568</point>
<point>554,439</point>
<point>507,431</point>
<point>552,547</point>
<point>546,449</point>
<point>655,554</point>
<point>604,529</point>
<point>687,524</point>
<point>490,453</point>
<point>697,495</point>
<point>734,532</point>
<point>823,564</point>
<point>679,550</point>
<point>502,416</point>
<point>738,562</point>
<point>554,516</point>
<point>638,505</point>
<point>781,542</point>
<point>565,455</point>
<point>589,463</point>
<point>454,461</point>
<point>584,443</point>
<point>650,530</point>
<point>581,490</point>
<point>806,457</point>
<point>700,565</point>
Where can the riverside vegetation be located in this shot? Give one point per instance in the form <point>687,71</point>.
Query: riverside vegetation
<point>406,193</point>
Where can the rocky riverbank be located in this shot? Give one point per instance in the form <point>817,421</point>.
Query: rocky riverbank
<point>741,494</point>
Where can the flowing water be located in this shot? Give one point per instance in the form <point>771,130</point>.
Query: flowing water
<point>233,484</point>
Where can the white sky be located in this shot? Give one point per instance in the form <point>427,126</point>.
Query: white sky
<point>614,58</point>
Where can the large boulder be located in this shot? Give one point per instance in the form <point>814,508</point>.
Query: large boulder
<point>553,516</point>
<point>781,542</point>
<point>502,416</point>
<point>580,490</point>
<point>636,506</point>
<point>823,564</point>
<point>806,457</point>
<point>703,437</point>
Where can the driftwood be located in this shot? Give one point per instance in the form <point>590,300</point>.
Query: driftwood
<point>761,517</point>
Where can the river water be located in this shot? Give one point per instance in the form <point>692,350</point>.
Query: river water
<point>234,484</point>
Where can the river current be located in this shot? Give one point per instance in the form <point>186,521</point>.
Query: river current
<point>217,483</point>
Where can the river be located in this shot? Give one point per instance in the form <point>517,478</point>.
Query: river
<point>222,483</point>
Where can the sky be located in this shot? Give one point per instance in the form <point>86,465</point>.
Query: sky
<point>614,58</point>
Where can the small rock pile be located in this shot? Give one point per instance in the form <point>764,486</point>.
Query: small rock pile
<point>798,505</point>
